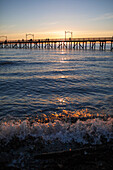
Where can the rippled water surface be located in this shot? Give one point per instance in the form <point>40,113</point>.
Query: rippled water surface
<point>36,81</point>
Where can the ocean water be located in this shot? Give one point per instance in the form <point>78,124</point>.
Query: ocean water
<point>63,95</point>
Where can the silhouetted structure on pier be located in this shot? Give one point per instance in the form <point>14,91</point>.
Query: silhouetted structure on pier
<point>67,43</point>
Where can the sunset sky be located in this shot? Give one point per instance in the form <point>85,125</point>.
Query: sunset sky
<point>51,18</point>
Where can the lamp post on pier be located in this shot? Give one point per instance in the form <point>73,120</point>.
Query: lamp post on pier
<point>28,35</point>
<point>4,37</point>
<point>66,32</point>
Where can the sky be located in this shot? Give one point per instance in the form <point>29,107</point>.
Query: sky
<point>51,18</point>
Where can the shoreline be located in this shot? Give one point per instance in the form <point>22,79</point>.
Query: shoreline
<point>85,157</point>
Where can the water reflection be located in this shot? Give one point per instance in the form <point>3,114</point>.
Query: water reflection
<point>61,100</point>
<point>63,60</point>
<point>69,116</point>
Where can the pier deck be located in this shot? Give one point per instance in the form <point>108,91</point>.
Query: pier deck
<point>68,43</point>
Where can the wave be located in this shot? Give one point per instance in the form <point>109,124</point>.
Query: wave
<point>81,127</point>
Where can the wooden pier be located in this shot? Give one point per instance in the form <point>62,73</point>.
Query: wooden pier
<point>67,43</point>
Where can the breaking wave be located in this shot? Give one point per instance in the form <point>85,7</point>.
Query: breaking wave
<point>66,127</point>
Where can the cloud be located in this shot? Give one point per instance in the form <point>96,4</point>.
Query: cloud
<point>49,23</point>
<point>11,26</point>
<point>106,16</point>
<point>6,27</point>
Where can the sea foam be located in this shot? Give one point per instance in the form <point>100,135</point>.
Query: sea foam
<point>92,131</point>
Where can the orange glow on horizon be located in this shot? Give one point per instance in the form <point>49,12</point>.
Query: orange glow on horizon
<point>57,35</point>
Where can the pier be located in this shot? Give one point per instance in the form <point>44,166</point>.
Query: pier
<point>66,43</point>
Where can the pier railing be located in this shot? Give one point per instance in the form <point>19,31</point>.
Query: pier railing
<point>63,39</point>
